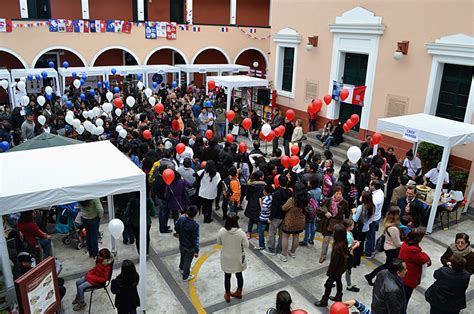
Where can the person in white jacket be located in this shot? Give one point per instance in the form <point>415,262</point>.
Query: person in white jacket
<point>233,260</point>
<point>297,135</point>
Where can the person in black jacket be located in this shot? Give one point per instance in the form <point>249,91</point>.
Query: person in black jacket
<point>447,295</point>
<point>158,194</point>
<point>388,295</point>
<point>125,288</point>
<point>187,230</point>
<point>289,127</point>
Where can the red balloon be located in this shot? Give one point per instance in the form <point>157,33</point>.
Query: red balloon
<point>317,105</point>
<point>118,102</point>
<point>377,138</point>
<point>209,134</point>
<point>247,124</point>
<point>294,160</point>
<point>327,99</point>
<point>371,143</point>
<point>230,115</point>
<point>168,176</point>
<point>346,128</point>
<point>180,148</point>
<point>262,136</point>
<point>276,182</point>
<point>230,138</point>
<point>147,134</point>
<point>203,164</point>
<point>277,132</point>
<point>299,311</point>
<point>355,118</point>
<point>159,108</point>
<point>344,94</point>
<point>338,308</point>
<point>285,161</point>
<point>282,130</point>
<point>295,149</point>
<point>290,114</point>
<point>271,136</point>
<point>242,147</point>
<point>349,123</point>
<point>211,85</point>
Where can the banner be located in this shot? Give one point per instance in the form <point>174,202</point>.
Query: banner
<point>127,27</point>
<point>171,31</point>
<point>336,89</point>
<point>150,30</point>
<point>6,25</point>
<point>161,29</point>
<point>356,93</point>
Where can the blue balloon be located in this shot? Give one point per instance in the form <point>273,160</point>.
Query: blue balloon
<point>74,74</point>
<point>51,64</point>
<point>64,97</point>
<point>174,84</point>
<point>92,92</point>
<point>30,77</point>
<point>139,76</point>
<point>99,84</point>
<point>106,83</point>
<point>4,146</point>
<point>154,84</point>
<point>68,104</point>
<point>208,103</point>
<point>83,96</point>
<point>84,76</point>
<point>49,96</point>
<point>116,89</point>
<point>38,77</point>
<point>44,74</point>
<point>66,64</point>
<point>82,82</point>
<point>113,70</point>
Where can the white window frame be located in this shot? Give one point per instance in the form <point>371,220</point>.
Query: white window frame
<point>286,38</point>
<point>455,49</point>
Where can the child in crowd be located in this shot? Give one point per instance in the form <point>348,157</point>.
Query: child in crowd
<point>405,224</point>
<point>352,244</point>
<point>264,218</point>
<point>187,230</point>
<point>233,190</point>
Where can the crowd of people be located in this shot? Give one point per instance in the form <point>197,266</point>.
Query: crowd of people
<point>177,136</point>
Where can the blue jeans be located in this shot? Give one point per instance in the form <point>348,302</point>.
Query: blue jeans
<point>309,231</point>
<point>262,226</point>
<point>370,237</point>
<point>81,285</point>
<point>92,235</point>
<point>164,214</point>
<point>233,208</point>
<point>45,246</point>
<point>329,141</point>
<point>221,129</point>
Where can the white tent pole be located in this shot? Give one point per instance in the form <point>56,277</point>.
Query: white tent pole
<point>439,187</point>
<point>7,270</point>
<point>110,208</point>
<point>187,78</point>
<point>229,94</point>
<point>374,152</point>
<point>179,78</point>
<point>142,244</point>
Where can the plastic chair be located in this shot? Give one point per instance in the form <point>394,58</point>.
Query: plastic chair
<point>103,286</point>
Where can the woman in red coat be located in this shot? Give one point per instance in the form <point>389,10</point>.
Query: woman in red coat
<point>97,276</point>
<point>414,258</point>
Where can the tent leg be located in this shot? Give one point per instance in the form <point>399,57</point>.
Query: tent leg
<point>143,245</point>
<point>7,270</point>
<point>439,187</point>
<point>111,210</point>
<point>229,96</point>
<point>374,152</point>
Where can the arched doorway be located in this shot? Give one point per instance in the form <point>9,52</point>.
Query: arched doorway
<point>9,60</point>
<point>115,56</point>
<point>211,55</point>
<point>251,55</point>
<point>58,56</point>
<point>165,55</point>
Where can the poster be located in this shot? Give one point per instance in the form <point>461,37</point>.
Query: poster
<point>150,30</point>
<point>410,134</point>
<point>41,294</point>
<point>171,31</point>
<point>161,30</point>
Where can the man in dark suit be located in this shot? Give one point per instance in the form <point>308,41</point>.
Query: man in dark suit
<point>411,206</point>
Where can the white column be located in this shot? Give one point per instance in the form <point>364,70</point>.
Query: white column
<point>141,10</point>
<point>189,11</point>
<point>111,210</point>
<point>85,9</point>
<point>24,9</point>
<point>270,14</point>
<point>229,94</point>
<point>179,78</point>
<point>7,270</point>
<point>233,12</point>
<point>439,187</point>
<point>142,245</point>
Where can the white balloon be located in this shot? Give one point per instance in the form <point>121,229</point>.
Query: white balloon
<point>90,113</point>
<point>123,133</point>
<point>4,84</point>
<point>118,128</point>
<point>107,107</point>
<point>24,100</point>
<point>76,123</point>
<point>93,130</point>
<point>69,119</point>
<point>148,92</point>
<point>354,153</point>
<point>99,122</point>
<point>140,85</point>
<point>48,90</point>
<point>266,129</point>
<point>23,79</point>
<point>88,125</point>
<point>152,101</point>
<point>21,86</point>
<point>96,111</point>
<point>109,96</point>
<point>70,113</point>
<point>41,100</point>
<point>130,101</point>
<point>80,129</point>
<point>41,119</point>
<point>76,83</point>
<point>85,114</point>
<point>116,228</point>
<point>99,130</point>
<point>118,112</point>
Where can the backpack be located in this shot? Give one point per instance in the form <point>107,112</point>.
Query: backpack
<point>312,208</point>
<point>327,190</point>
<point>227,190</point>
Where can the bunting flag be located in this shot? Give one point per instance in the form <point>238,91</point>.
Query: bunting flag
<point>127,27</point>
<point>356,93</point>
<point>251,32</point>
<point>224,29</point>
<point>6,25</point>
<point>184,27</point>
<point>196,29</point>
<point>53,25</point>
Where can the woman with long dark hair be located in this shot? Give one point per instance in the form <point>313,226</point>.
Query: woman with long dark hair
<point>363,216</point>
<point>125,288</point>
<point>255,188</point>
<point>209,182</point>
<point>175,195</point>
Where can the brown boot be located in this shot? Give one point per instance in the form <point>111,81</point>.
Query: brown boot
<point>227,297</point>
<point>237,294</point>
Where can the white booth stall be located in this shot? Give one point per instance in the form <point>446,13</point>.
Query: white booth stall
<point>158,73</point>
<point>5,75</point>
<point>220,69</point>
<point>34,86</point>
<point>93,75</point>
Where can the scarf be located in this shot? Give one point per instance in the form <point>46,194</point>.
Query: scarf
<point>334,205</point>
<point>464,252</point>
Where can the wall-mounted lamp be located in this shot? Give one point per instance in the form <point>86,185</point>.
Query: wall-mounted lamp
<point>312,42</point>
<point>402,49</point>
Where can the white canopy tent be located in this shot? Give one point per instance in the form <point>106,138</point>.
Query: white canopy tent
<point>17,74</point>
<point>161,69</point>
<point>22,189</point>
<point>124,70</point>
<point>220,69</point>
<point>5,75</point>
<point>89,71</point>
<point>236,81</point>
<point>423,127</point>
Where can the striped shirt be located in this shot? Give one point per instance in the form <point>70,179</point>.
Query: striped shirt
<point>266,208</point>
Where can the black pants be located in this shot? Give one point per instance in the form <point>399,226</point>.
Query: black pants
<point>185,260</point>
<point>136,231</point>
<point>206,209</point>
<point>275,143</point>
<point>126,311</point>
<point>240,281</point>
<point>390,255</point>
<point>328,286</point>
<point>286,147</point>
<point>408,292</point>
<point>312,125</point>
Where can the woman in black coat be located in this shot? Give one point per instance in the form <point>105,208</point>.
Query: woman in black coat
<point>447,295</point>
<point>253,193</point>
<point>125,288</point>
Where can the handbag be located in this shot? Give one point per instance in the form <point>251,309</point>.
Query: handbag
<point>380,242</point>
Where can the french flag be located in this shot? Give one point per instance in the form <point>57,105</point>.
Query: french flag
<point>224,29</point>
<point>253,30</point>
<point>196,29</point>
